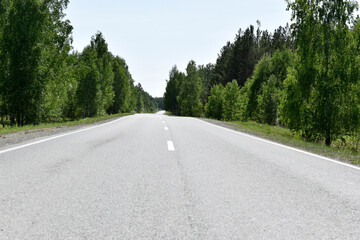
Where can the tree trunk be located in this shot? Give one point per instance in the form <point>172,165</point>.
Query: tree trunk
<point>12,120</point>
<point>328,137</point>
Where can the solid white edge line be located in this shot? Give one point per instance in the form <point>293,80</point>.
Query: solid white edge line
<point>58,136</point>
<point>170,146</point>
<point>282,145</point>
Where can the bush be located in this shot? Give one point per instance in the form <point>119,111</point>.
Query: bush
<point>214,106</point>
<point>231,101</point>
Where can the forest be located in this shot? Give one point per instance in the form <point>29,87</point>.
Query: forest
<point>304,76</point>
<point>42,79</point>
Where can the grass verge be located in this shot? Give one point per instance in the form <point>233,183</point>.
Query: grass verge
<point>170,114</point>
<point>286,137</point>
<point>8,130</point>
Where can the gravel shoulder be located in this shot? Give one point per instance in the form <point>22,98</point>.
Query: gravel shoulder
<point>28,135</point>
<point>342,155</point>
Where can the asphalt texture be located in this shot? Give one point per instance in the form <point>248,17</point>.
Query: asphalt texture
<point>151,176</point>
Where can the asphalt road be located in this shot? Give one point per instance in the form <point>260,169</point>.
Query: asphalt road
<point>161,177</point>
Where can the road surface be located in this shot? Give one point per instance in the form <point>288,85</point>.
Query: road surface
<point>160,177</point>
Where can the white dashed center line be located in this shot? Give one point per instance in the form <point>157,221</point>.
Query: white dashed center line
<point>166,128</point>
<point>170,146</point>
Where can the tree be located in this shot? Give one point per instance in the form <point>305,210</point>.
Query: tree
<point>190,92</point>
<point>34,45</point>
<point>231,101</point>
<point>237,60</point>
<point>262,73</point>
<point>21,54</point>
<point>269,69</point>
<point>172,91</point>
<point>88,92</point>
<point>205,74</point>
<point>4,9</point>
<point>160,103</point>
<point>121,86</point>
<point>214,106</point>
<point>268,102</point>
<point>222,66</point>
<point>144,103</point>
<point>104,66</point>
<point>323,74</point>
<point>244,56</point>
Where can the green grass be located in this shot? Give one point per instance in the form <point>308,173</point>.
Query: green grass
<point>8,129</point>
<point>286,137</point>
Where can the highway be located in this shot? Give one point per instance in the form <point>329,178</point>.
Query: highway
<point>150,176</point>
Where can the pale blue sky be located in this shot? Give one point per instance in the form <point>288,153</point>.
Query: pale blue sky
<point>154,35</point>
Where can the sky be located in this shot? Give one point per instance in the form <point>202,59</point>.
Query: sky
<point>153,36</point>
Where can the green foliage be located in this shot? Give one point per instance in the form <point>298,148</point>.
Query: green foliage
<point>237,60</point>
<point>172,91</point>
<point>104,65</point>
<point>88,91</point>
<point>143,101</point>
<point>231,101</point>
<point>268,102</point>
<point>324,73</point>
<point>40,81</point>
<point>269,75</point>
<point>262,73</point>
<point>305,77</point>
<point>36,69</point>
<point>214,106</point>
<point>105,83</point>
<point>21,57</point>
<point>190,92</point>
<point>160,103</point>
<point>205,74</point>
<point>121,86</point>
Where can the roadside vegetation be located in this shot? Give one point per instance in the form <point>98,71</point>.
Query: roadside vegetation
<point>300,83</point>
<point>341,149</point>
<point>45,126</point>
<point>42,80</point>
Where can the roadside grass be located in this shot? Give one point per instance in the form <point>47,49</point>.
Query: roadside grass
<point>286,137</point>
<point>170,114</point>
<point>44,126</point>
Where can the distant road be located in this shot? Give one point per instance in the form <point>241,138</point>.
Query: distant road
<point>160,177</point>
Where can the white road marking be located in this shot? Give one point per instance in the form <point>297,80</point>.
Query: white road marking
<point>170,146</point>
<point>166,128</point>
<point>163,122</point>
<point>58,136</point>
<point>284,146</point>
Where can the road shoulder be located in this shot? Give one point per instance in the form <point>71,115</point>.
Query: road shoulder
<point>32,134</point>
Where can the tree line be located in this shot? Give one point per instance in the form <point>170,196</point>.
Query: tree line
<point>305,77</point>
<point>43,80</point>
